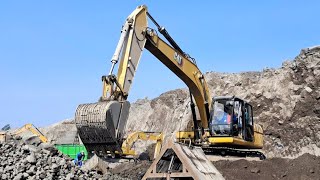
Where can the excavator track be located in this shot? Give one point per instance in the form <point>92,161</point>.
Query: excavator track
<point>98,126</point>
<point>226,151</point>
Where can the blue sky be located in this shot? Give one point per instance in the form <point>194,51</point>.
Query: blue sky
<point>53,53</point>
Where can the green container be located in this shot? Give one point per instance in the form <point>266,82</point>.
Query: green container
<point>72,150</point>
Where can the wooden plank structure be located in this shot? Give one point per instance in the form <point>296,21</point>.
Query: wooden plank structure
<point>182,162</point>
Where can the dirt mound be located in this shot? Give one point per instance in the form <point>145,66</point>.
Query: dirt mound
<point>64,132</point>
<point>132,170</point>
<point>304,167</point>
<point>285,100</point>
<point>167,113</point>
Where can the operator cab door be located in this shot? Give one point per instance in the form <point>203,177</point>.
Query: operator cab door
<point>248,131</point>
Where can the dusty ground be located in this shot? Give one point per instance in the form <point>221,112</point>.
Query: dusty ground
<point>132,170</point>
<point>304,167</point>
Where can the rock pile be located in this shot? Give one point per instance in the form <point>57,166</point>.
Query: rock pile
<point>38,161</point>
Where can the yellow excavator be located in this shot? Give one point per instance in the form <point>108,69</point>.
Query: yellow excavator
<point>127,144</point>
<point>4,136</point>
<point>225,124</point>
<point>34,130</point>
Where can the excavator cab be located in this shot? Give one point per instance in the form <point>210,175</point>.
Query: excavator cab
<point>232,130</point>
<point>231,116</point>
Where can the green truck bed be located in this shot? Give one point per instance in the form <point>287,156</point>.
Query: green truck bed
<point>72,150</point>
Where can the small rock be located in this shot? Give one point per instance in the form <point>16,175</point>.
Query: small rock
<point>43,151</point>
<point>62,162</point>
<point>8,168</point>
<point>123,160</point>
<point>25,175</point>
<point>308,89</point>
<point>46,168</point>
<point>18,176</point>
<point>42,176</point>
<point>31,170</point>
<point>31,159</point>
<point>255,170</point>
<point>54,167</point>
<point>280,122</point>
<point>29,148</point>
<point>69,176</point>
<point>311,170</point>
<point>284,174</point>
<point>53,151</point>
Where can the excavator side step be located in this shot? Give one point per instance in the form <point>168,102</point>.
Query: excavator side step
<point>180,161</point>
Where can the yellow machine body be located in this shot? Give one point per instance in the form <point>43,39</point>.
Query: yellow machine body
<point>145,136</point>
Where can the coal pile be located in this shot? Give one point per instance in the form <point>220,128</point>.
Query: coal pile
<point>38,161</point>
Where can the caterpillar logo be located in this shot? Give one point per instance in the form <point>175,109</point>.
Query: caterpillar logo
<point>178,58</point>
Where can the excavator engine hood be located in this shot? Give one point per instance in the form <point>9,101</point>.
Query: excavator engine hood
<point>101,125</point>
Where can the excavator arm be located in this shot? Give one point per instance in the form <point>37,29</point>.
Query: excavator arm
<point>33,130</point>
<point>128,52</point>
<point>134,38</point>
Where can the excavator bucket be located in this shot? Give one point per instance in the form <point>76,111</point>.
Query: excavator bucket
<point>177,161</point>
<point>100,125</point>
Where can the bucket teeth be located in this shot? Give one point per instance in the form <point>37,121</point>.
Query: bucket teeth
<point>96,127</point>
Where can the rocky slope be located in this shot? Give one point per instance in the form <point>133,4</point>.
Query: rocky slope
<point>285,100</point>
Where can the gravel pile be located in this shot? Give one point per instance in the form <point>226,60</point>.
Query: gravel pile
<point>38,161</point>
